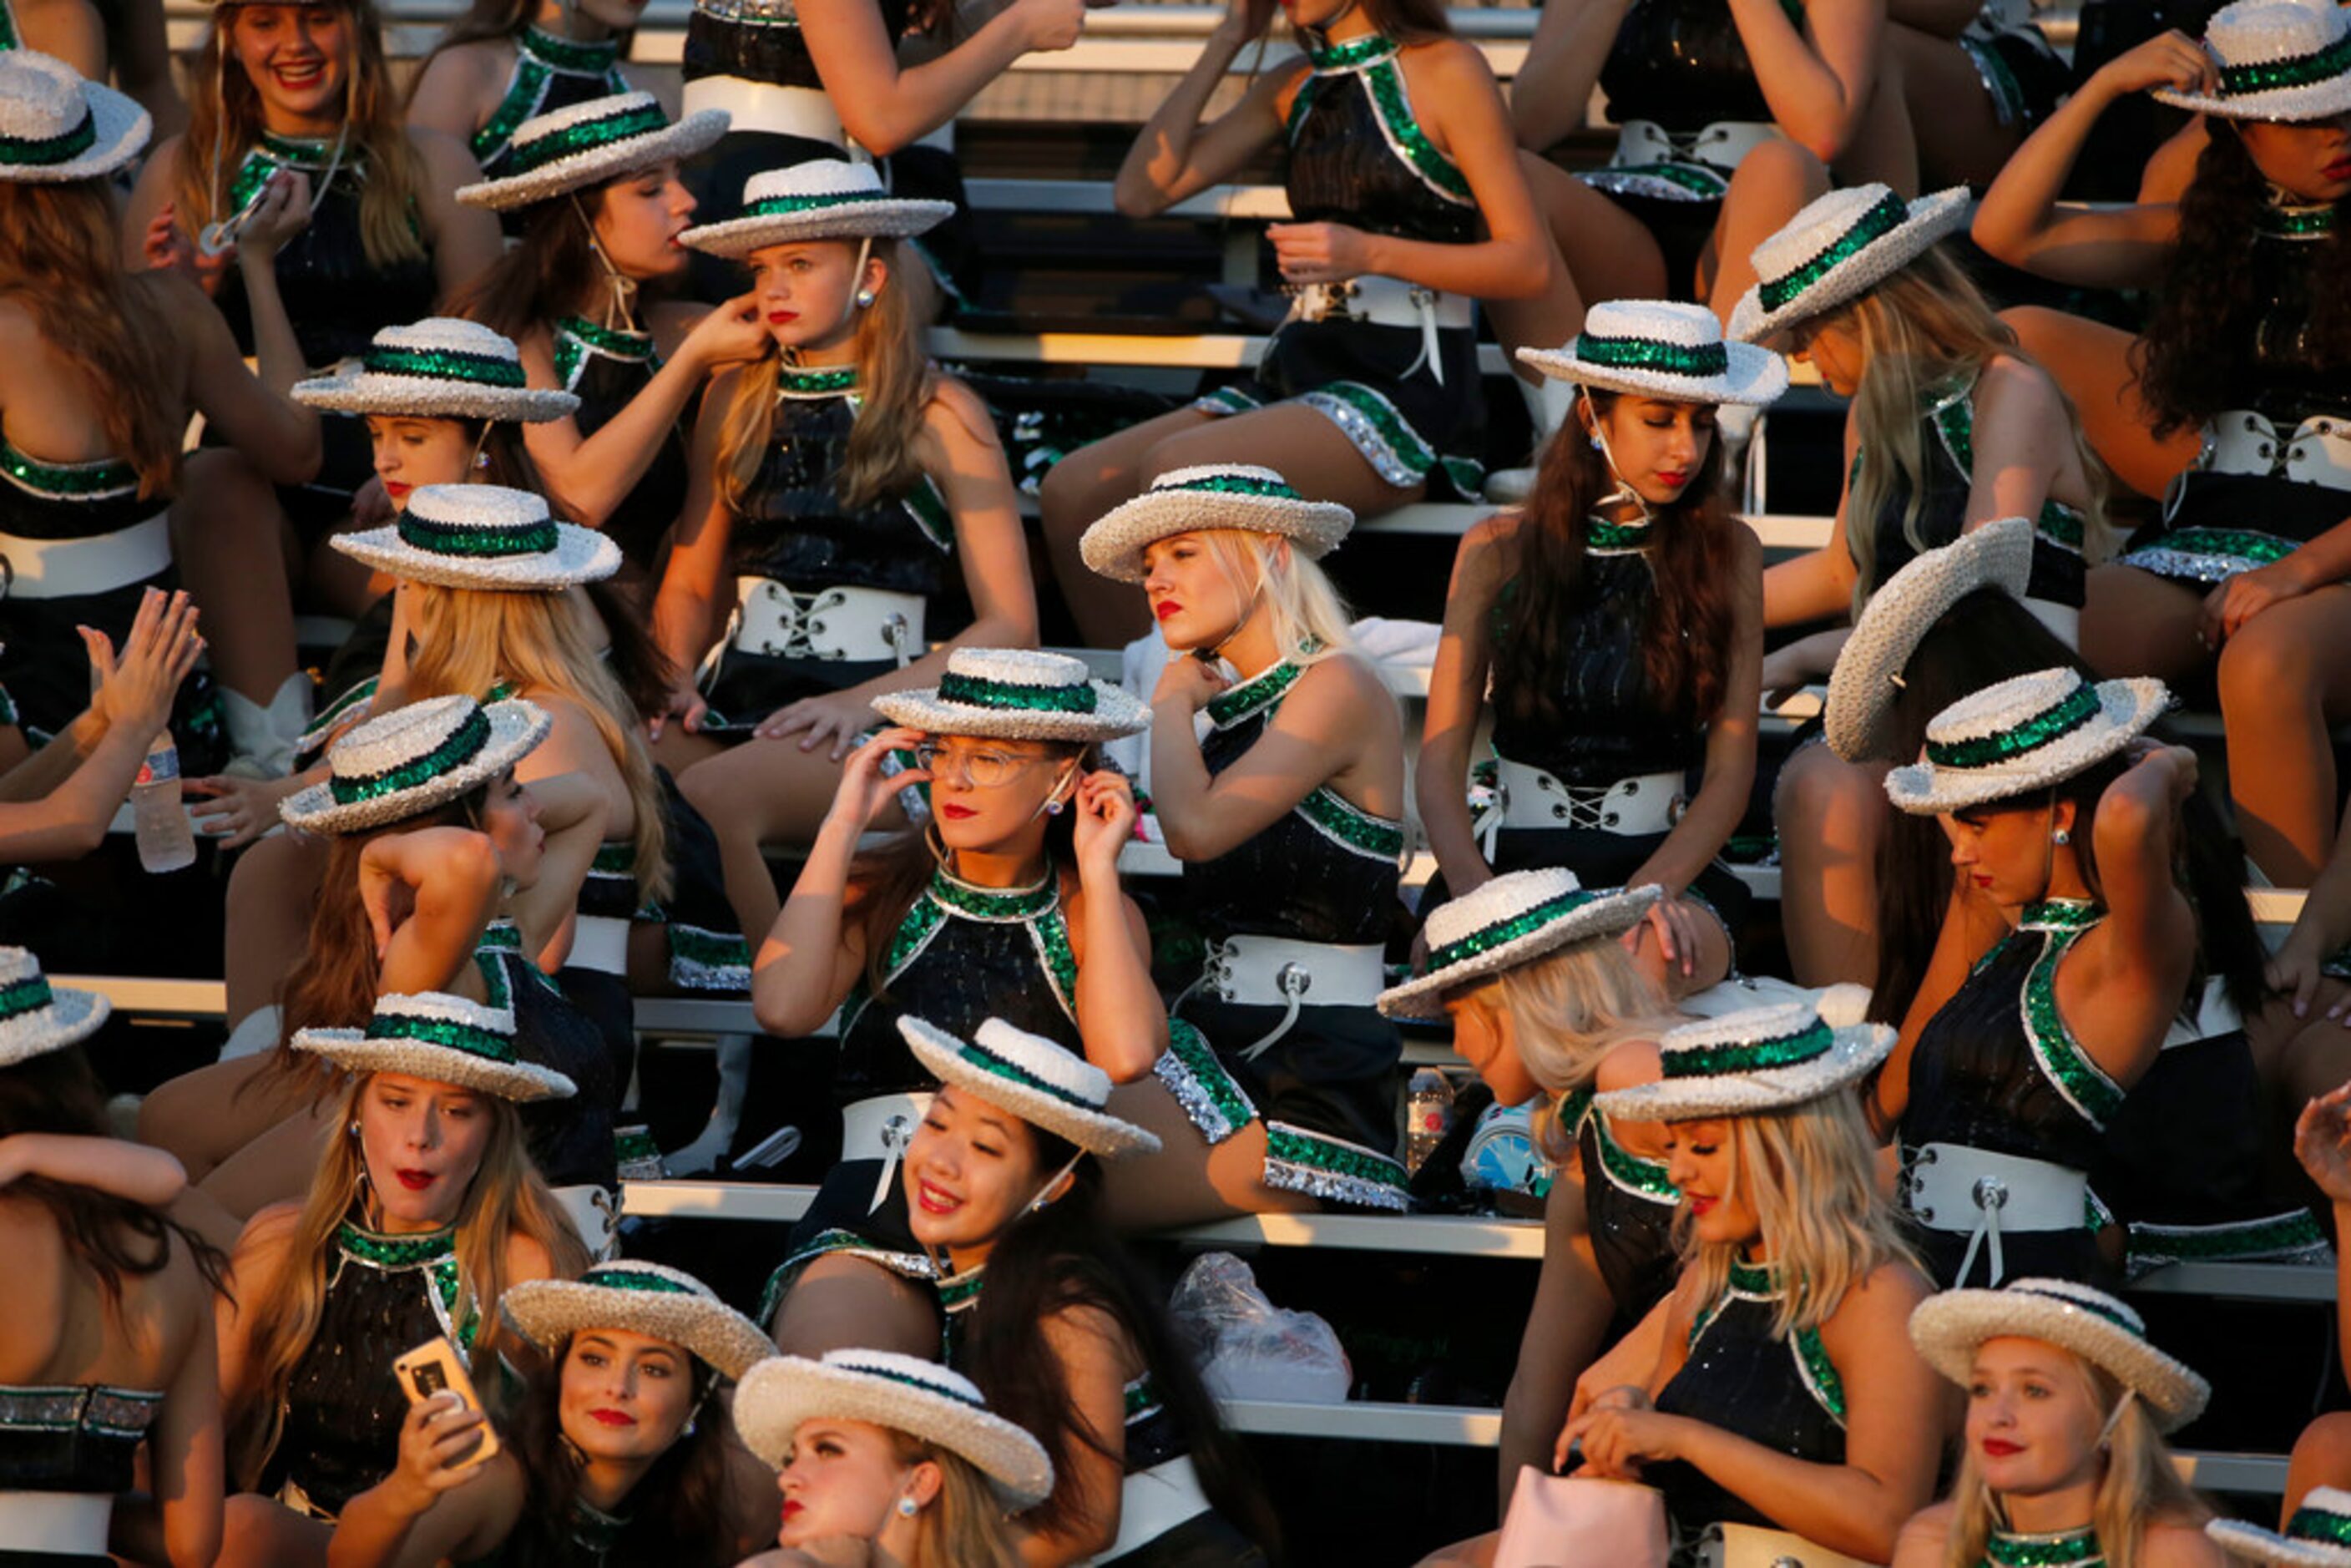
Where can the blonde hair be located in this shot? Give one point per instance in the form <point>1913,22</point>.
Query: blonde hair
<point>964,1527</point>
<point>224,125</point>
<point>1922,331</point>
<point>2137,1486</point>
<point>469,639</point>
<point>1307,609</point>
<point>506,1198</point>
<point>894,386</point>
<point>1568,1008</point>
<point>1811,1173</point>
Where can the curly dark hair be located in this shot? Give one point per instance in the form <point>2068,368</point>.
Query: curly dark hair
<point>1687,656</point>
<point>2205,313</point>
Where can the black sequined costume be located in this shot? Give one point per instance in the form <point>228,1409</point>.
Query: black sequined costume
<point>2285,402</point>
<point>1357,156</point>
<point>793,529</point>
<point>75,1438</point>
<point>1779,1392</point>
<point>607,368</point>
<point>962,954</point>
<point>1327,872</point>
<point>1628,1211</point>
<point>1996,1069</point>
<point>339,1431</point>
<point>549,73</point>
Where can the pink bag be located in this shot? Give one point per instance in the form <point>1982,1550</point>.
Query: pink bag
<point>1575,1522</point>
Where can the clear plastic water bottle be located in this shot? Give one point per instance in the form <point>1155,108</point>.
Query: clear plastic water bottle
<point>1427,1115</point>
<point>165,843</point>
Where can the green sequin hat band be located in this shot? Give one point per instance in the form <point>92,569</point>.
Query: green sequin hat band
<point>413,758</point>
<point>587,145</point>
<point>55,127</point>
<point>439,368</point>
<point>824,198</point>
<point>920,1398</point>
<point>441,1039</point>
<point>2317,1534</point>
<point>2275,59</point>
<point>1839,248</point>
<point>1035,1079</point>
<point>1514,919</point>
<point>1949,1328</point>
<point>644,1298</point>
<point>2022,735</point>
<point>35,1019</point>
<point>486,538</point>
<point>1012,693</point>
<point>1235,496</point>
<point>1665,350</point>
<point>1761,1060</point>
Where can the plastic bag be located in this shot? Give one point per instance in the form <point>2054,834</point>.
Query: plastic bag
<point>1246,1347</point>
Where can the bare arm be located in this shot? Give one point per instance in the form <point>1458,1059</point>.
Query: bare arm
<point>1819,583</point>
<point>1121,1017</point>
<point>283,212</point>
<point>428,893</point>
<point>809,962</point>
<point>1563,1333</point>
<point>2123,984</point>
<point>186,1471</point>
<point>1923,1541</point>
<point>465,241</point>
<point>142,45</point>
<point>71,30</point>
<point>2021,221</point>
<point>1175,156</point>
<point>687,607</point>
<point>1817,77</point>
<point>424,1512</point>
<point>277,434</point>
<point>1093,1352</point>
<point>134,1171</point>
<point>886,107</point>
<point>263,1251</point>
<point>1320,731</point>
<point>572,812</point>
<point>2022,442</point>
<point>455,90</point>
<point>1456,696</point>
<point>1729,778</point>
<point>1551,96</point>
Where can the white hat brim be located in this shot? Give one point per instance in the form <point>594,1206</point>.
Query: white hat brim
<point>783,1391</point>
<point>1114,547</point>
<point>1609,914</point>
<point>697,132</point>
<point>350,1050</point>
<point>548,1312</point>
<point>580,555</point>
<point>2126,707</point>
<point>1933,219</point>
<point>1756,376</point>
<point>516,728</point>
<point>1948,1328</point>
<point>430,397</point>
<point>1117,712</point>
<point>893,217</point>
<point>1853,1054</point>
<point>1098,1132</point>
<point>1899,614</point>
<point>119,129</point>
<point>2251,1540</point>
<point>70,1018</point>
<point>2320,100</point>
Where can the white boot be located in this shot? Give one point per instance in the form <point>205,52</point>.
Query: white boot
<point>264,739</point>
<point>1548,402</point>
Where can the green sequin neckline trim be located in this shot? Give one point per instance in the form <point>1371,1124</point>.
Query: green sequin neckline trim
<point>379,1250</point>
<point>1602,537</point>
<point>569,54</point>
<point>615,341</point>
<point>1260,692</point>
<point>1005,904</point>
<point>1354,53</point>
<point>2061,915</point>
<point>2294,220</point>
<point>960,1292</point>
<point>2058,1549</point>
<point>839,381</point>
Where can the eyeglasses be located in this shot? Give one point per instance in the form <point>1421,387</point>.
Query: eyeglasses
<point>980,769</point>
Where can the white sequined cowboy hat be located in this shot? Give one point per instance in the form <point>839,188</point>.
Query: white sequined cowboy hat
<point>1898,616</point>
<point>1212,495</point>
<point>2317,1536</point>
<point>883,1388</point>
<point>659,1302</point>
<point>1840,248</point>
<point>1517,916</point>
<point>2277,59</point>
<point>1663,349</point>
<point>2028,733</point>
<point>443,1039</point>
<point>588,143</point>
<point>824,198</point>
<point>56,127</point>
<point>1016,694</point>
<point>413,758</point>
<point>1948,1328</point>
<point>37,1018</point>
<point>440,368</point>
<point>1758,1059</point>
<point>482,537</point>
<point>1044,1084</point>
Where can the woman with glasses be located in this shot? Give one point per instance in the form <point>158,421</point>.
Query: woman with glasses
<point>1006,905</point>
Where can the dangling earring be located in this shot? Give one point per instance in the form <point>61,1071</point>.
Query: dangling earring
<point>864,297</point>
<point>908,1508</point>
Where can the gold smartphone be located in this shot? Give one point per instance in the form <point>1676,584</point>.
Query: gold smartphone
<point>435,1366</point>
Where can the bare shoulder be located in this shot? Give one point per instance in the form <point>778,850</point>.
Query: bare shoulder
<point>267,1238</point>
<point>1922,1538</point>
<point>1083,1328</point>
<point>529,1259</point>
<point>1629,1064</point>
<point>1455,61</point>
<point>477,64</point>
<point>2176,1544</point>
<point>1346,678</point>
<point>954,409</point>
<point>2012,379</point>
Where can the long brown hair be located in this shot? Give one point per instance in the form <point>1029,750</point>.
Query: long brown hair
<point>1686,656</point>
<point>543,275</point>
<point>64,257</point>
<point>2204,314</point>
<point>506,1198</point>
<point>225,124</point>
<point>894,386</point>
